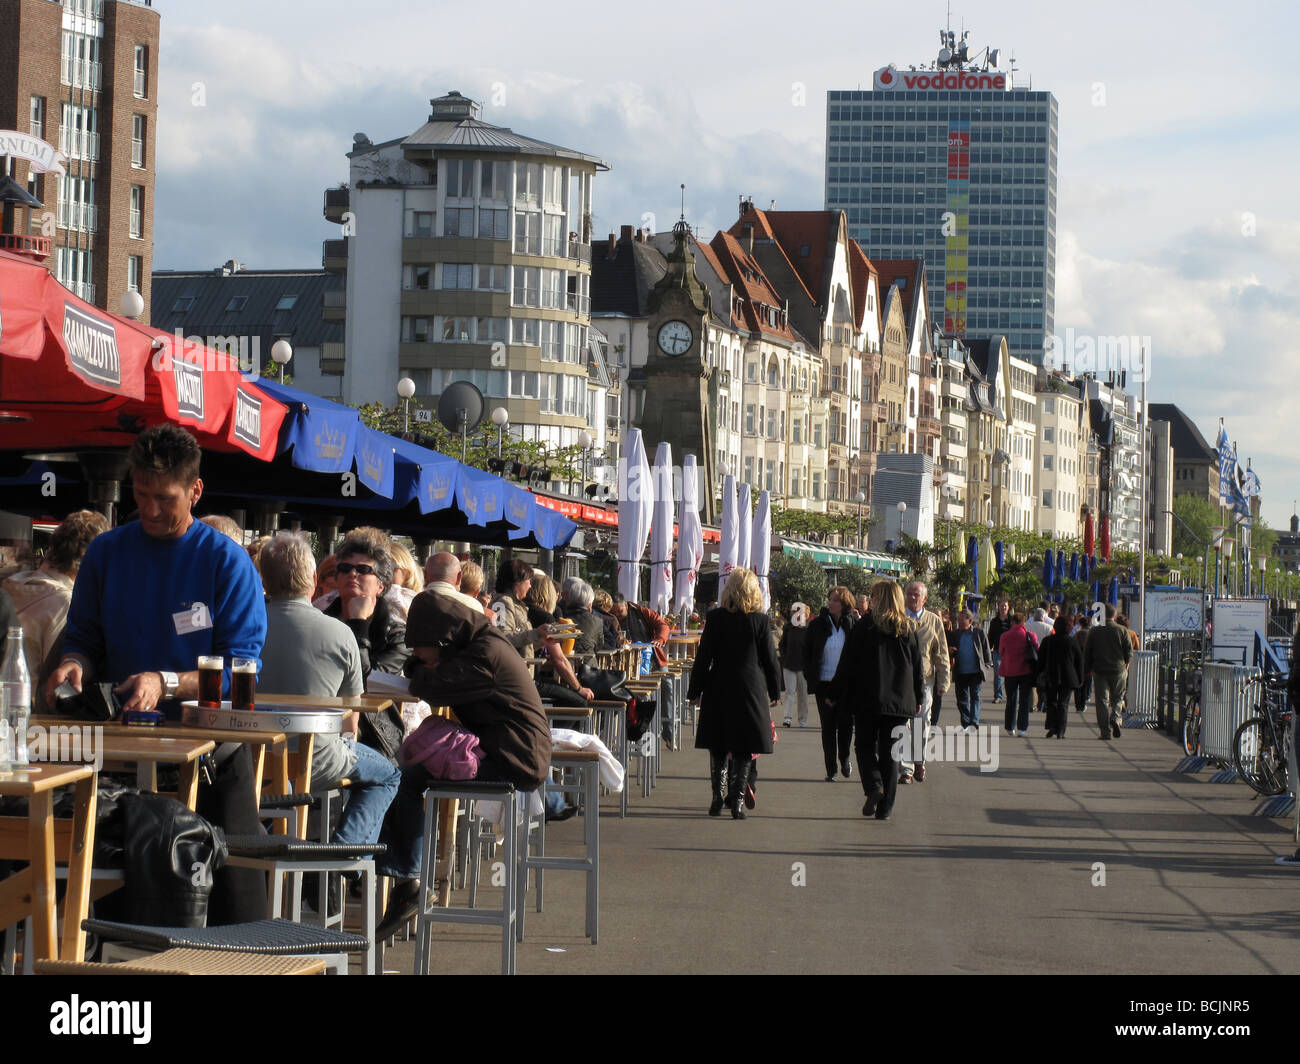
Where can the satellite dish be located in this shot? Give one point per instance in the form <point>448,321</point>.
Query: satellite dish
<point>993,56</point>
<point>460,408</point>
<point>945,54</point>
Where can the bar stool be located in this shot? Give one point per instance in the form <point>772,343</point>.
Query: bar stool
<point>586,763</point>
<point>469,790</point>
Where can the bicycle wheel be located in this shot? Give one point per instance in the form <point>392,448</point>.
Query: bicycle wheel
<point>1192,731</point>
<point>1259,760</point>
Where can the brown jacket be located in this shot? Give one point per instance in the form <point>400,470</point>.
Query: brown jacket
<point>484,681</point>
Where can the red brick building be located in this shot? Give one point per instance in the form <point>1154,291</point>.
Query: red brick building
<point>82,75</point>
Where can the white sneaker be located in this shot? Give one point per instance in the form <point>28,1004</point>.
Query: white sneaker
<point>803,724</point>
<point>1288,862</point>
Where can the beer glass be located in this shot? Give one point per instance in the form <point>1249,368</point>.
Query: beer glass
<point>210,666</point>
<point>243,682</point>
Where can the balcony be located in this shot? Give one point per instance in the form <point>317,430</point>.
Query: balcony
<point>79,217</point>
<point>929,425</point>
<point>331,357</point>
<point>873,411</point>
<point>334,255</point>
<point>36,247</point>
<point>334,305</point>
<point>80,74</point>
<point>336,204</point>
<point>578,304</point>
<point>79,144</point>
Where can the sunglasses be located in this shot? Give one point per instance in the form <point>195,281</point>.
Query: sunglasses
<point>361,570</point>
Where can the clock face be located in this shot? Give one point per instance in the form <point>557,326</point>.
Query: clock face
<point>675,338</point>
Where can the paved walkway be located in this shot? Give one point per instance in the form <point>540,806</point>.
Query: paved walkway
<point>976,872</point>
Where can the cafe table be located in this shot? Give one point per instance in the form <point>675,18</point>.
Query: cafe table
<point>39,839</point>
<point>123,746</point>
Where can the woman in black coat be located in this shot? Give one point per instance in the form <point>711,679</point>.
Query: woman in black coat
<point>735,681</point>
<point>828,635</point>
<point>880,681</point>
<point>1060,664</point>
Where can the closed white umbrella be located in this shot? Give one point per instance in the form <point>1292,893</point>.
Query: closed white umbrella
<point>745,524</point>
<point>635,505</point>
<point>760,546</point>
<point>690,540</point>
<point>661,533</point>
<point>729,546</point>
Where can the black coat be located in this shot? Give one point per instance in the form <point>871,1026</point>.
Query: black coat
<point>879,673</point>
<point>818,632</point>
<point>1060,662</point>
<point>735,676</point>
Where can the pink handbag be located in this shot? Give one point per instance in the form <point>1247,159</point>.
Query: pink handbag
<point>445,750</point>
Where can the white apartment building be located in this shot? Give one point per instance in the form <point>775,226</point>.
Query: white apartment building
<point>1061,470</point>
<point>1019,508</point>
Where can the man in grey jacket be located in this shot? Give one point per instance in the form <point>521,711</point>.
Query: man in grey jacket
<point>1106,657</point>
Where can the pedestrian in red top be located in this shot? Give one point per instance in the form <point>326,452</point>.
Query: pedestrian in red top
<point>1019,650</point>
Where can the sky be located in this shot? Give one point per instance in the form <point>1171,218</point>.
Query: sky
<point>1178,127</point>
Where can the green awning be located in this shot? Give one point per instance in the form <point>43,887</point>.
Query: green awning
<point>872,561</point>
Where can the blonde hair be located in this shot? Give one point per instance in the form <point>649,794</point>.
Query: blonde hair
<point>741,593</point>
<point>255,552</point>
<point>471,578</point>
<point>602,600</point>
<point>887,609</point>
<point>542,594</point>
<point>404,560</point>
<point>286,567</point>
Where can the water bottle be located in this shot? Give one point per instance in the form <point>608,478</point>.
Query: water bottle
<point>15,701</point>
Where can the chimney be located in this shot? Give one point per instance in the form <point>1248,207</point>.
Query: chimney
<point>641,234</point>
<point>625,235</point>
<point>611,249</point>
<point>747,238</point>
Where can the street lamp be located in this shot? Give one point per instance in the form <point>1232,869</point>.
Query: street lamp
<point>1263,571</point>
<point>586,441</point>
<point>406,389</point>
<point>132,303</point>
<point>902,509</point>
<point>281,352</point>
<point>500,418</point>
<point>859,498</point>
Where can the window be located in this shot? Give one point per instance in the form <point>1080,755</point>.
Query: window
<point>1049,434</point>
<point>137,210</point>
<point>79,132</point>
<point>751,371</point>
<point>183,305</point>
<point>422,223</point>
<point>749,419</point>
<point>37,121</point>
<point>771,424</point>
<point>141,72</point>
<point>494,181</point>
<point>524,331</point>
<point>1047,462</point>
<point>528,184</point>
<point>415,330</point>
<point>456,329</point>
<point>1049,405</point>
<point>796,432</point>
<point>794,481</point>
<point>236,304</point>
<point>527,287</point>
<point>1047,498</point>
<point>76,204</point>
<point>524,385</point>
<point>134,270</point>
<point>492,278</point>
<point>552,341</point>
<point>286,303</point>
<point>418,276</point>
<point>553,242</point>
<point>137,141</point>
<point>817,440</point>
<point>458,221</point>
<point>74,269</point>
<point>80,60</point>
<point>490,330</point>
<point>493,224</point>
<point>749,470</point>
<point>460,179</point>
<point>553,289</point>
<point>816,486</point>
<point>458,275</point>
<point>528,232</point>
<point>553,180</point>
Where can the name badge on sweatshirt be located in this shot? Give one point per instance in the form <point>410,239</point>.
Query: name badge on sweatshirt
<point>195,619</point>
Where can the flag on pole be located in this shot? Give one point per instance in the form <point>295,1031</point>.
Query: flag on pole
<point>1250,483</point>
<point>1227,466</point>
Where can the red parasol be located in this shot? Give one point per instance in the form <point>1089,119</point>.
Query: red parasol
<point>72,375</point>
<point>1088,541</point>
<point>1104,547</point>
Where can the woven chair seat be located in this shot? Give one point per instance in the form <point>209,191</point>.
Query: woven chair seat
<point>290,801</point>
<point>469,786</point>
<point>257,936</point>
<point>190,962</point>
<point>273,846</point>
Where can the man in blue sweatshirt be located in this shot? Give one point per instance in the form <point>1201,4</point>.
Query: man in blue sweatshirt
<point>150,597</point>
<point>155,594</point>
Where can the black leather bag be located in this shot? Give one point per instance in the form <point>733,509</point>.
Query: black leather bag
<point>95,701</point>
<point>170,855</point>
<point>384,732</point>
<point>605,684</point>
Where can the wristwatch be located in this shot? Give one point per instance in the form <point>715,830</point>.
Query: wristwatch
<point>171,684</point>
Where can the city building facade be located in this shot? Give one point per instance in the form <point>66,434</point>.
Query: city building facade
<point>1061,464</point>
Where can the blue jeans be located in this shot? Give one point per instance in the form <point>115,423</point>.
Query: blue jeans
<point>374,785</point>
<point>998,689</point>
<point>968,697</point>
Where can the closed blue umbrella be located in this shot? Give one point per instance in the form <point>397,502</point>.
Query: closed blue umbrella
<point>973,560</point>
<point>1049,569</point>
<point>1074,566</point>
<point>999,555</point>
<point>1112,592</point>
<point>1060,568</point>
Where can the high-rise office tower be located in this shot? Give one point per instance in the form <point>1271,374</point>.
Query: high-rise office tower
<point>954,164</point>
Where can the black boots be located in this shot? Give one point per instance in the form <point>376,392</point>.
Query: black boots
<point>718,780</point>
<point>739,784</point>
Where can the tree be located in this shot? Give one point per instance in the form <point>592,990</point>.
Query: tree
<point>1197,513</point>
<point>797,580</point>
<point>857,579</point>
<point>915,553</point>
<point>950,579</point>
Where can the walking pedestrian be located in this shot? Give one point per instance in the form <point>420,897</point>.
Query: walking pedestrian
<point>734,680</point>
<point>1084,691</point>
<point>1107,656</point>
<point>998,627</point>
<point>791,648</point>
<point>826,638</point>
<point>972,664</point>
<point>880,681</point>
<point>935,669</point>
<point>1018,649</point>
<point>1061,668</point>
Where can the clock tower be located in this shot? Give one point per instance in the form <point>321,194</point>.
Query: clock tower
<point>681,390</point>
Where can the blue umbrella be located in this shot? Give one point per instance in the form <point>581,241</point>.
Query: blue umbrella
<point>1060,568</point>
<point>973,560</point>
<point>1112,592</point>
<point>1074,566</point>
<point>999,555</point>
<point>1049,569</point>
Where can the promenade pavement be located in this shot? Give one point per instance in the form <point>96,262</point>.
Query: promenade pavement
<point>1074,856</point>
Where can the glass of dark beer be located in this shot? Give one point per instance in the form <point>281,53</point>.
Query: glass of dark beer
<point>243,682</point>
<point>210,666</point>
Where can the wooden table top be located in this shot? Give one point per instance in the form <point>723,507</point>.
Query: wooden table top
<point>23,783</point>
<point>129,745</point>
<point>360,703</point>
<point>169,731</point>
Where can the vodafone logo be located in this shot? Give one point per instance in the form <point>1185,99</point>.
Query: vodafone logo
<point>938,80</point>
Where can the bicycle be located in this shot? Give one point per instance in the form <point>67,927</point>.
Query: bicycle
<point>1261,748</point>
<point>1189,671</point>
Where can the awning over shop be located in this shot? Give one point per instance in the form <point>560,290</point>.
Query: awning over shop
<point>872,561</point>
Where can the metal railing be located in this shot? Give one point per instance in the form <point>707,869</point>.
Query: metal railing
<point>1227,700</point>
<point>80,73</point>
<point>1143,689</point>
<point>79,143</point>
<point>81,217</point>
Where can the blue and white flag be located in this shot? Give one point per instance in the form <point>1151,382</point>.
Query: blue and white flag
<point>1238,500</point>
<point>1251,484</point>
<point>1227,468</point>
